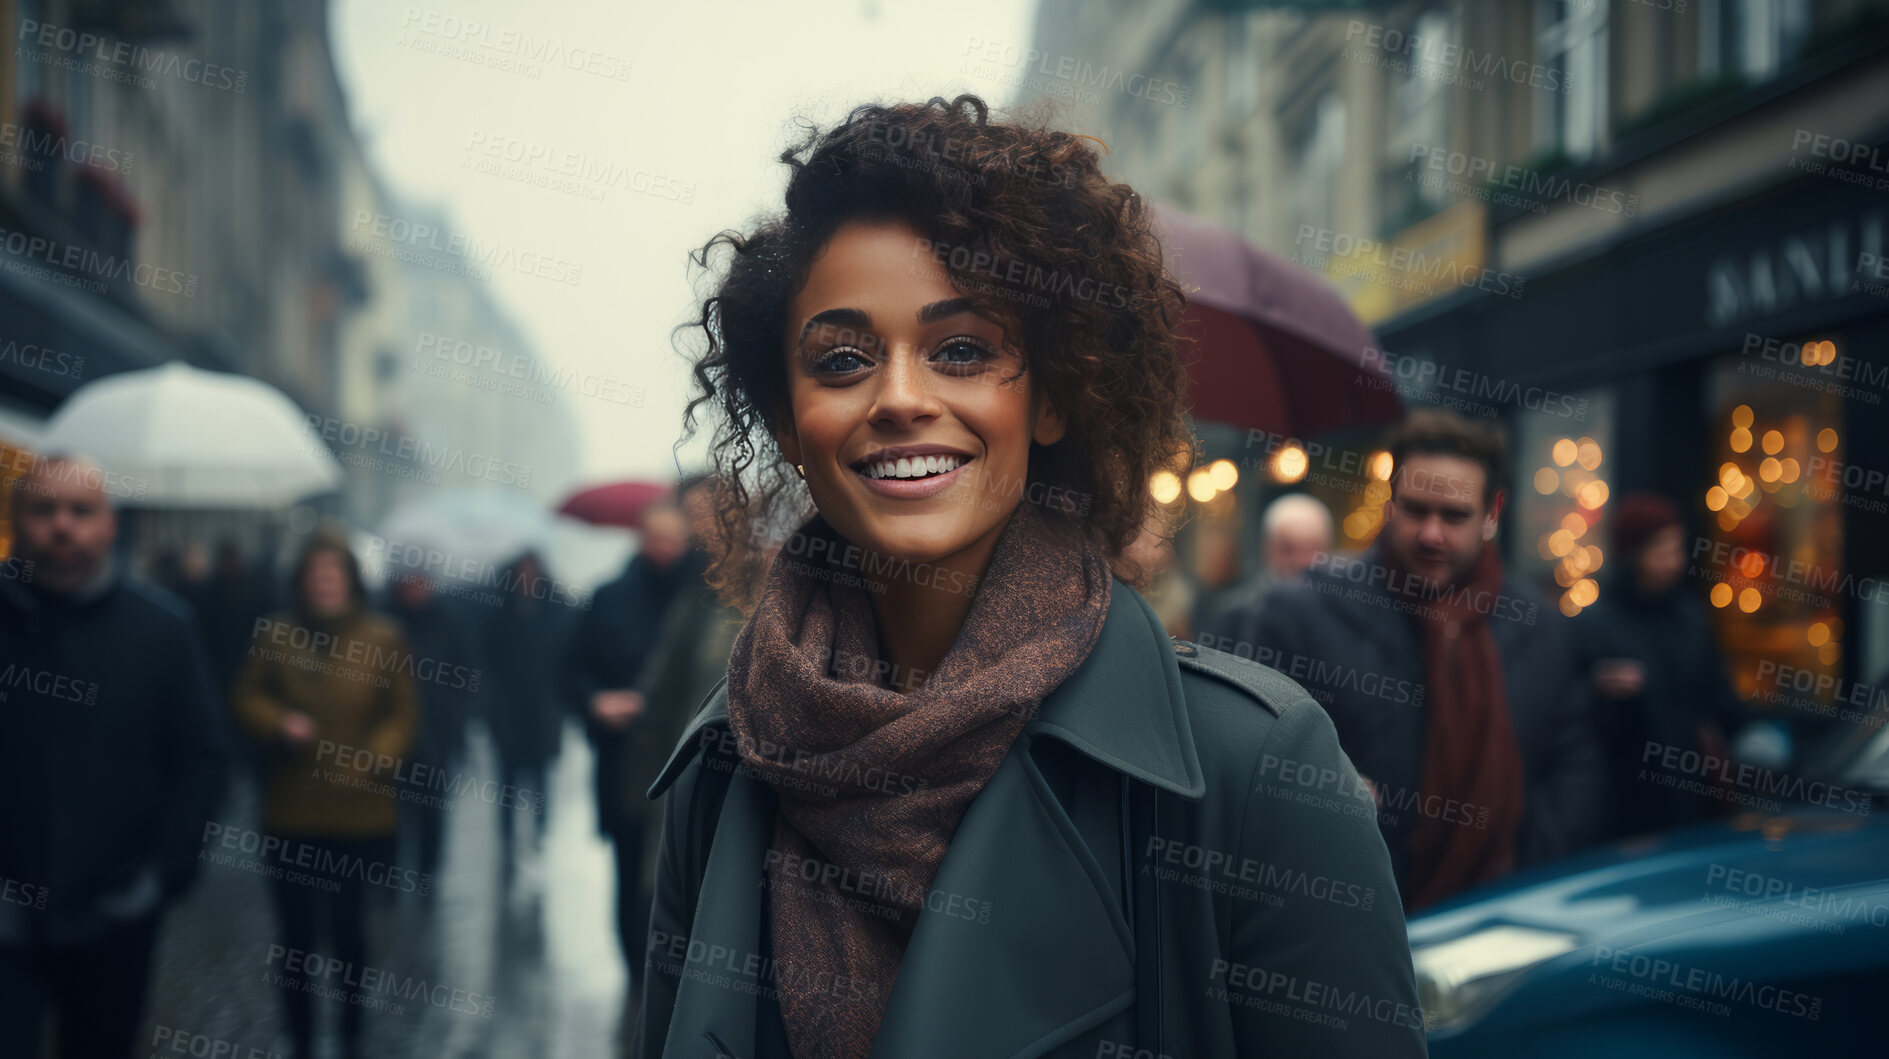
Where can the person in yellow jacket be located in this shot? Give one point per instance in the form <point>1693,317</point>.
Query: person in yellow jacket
<point>328,689</point>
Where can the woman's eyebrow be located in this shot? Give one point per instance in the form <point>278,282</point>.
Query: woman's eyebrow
<point>940,310</point>
<point>858,319</point>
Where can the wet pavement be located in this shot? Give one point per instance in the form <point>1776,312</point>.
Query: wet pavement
<point>533,972</point>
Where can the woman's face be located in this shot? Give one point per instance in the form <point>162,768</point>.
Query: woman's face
<point>911,415</point>
<point>325,584</point>
<point>1663,560</point>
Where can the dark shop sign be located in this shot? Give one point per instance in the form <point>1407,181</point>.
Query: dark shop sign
<point>1819,248</point>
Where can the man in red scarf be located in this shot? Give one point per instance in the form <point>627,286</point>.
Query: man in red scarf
<point>1453,687</point>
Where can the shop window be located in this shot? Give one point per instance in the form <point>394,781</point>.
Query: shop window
<point>1751,38</point>
<point>1564,460</point>
<point>1770,557</point>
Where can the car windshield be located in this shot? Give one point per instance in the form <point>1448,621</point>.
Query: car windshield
<point>1857,757</point>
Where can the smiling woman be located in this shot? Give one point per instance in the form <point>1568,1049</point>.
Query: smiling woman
<point>954,747</point>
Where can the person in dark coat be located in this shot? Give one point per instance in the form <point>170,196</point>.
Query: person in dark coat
<point>1656,670</point>
<point>960,794</point>
<point>608,654</point>
<point>110,765</point>
<point>1455,688</point>
<point>437,636</point>
<point>688,660</point>
<point>525,639</point>
<point>1295,530</point>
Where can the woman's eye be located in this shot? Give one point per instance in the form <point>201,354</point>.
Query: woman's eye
<point>841,361</point>
<point>962,352</point>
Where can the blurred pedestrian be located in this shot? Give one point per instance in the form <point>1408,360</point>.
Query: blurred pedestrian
<point>608,655</point>
<point>110,762</point>
<point>1656,669</point>
<point>1294,532</point>
<point>525,642</point>
<point>438,636</point>
<point>689,658</point>
<point>1455,688</point>
<point>328,687</point>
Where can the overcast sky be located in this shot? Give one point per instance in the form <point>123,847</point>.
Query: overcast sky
<point>699,93</point>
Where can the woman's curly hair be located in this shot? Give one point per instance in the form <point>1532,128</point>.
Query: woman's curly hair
<point>1022,220</point>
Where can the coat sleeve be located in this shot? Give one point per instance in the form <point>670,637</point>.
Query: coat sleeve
<point>1567,795</point>
<point>254,698</point>
<point>1337,947</point>
<point>196,758</point>
<point>392,736</point>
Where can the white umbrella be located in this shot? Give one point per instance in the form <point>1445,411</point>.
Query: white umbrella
<point>460,532</point>
<point>177,436</point>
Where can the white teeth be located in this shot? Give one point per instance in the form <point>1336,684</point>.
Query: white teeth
<point>914,466</point>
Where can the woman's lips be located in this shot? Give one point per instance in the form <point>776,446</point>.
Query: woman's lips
<point>913,488</point>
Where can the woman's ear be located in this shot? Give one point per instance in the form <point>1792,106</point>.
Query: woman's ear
<point>1050,424</point>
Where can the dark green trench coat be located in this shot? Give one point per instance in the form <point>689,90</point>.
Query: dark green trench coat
<point>1279,930</point>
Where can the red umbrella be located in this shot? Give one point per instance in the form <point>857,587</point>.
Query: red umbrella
<point>615,504</point>
<point>1275,347</point>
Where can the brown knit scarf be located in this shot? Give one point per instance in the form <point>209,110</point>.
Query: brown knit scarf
<point>872,783</point>
<point>1470,752</point>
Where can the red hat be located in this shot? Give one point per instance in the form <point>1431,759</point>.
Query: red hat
<point>1639,516</point>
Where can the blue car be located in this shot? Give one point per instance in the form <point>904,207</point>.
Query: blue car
<point>1763,934</point>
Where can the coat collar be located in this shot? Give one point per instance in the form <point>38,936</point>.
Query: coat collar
<point>1122,707</point>
<point>984,942</point>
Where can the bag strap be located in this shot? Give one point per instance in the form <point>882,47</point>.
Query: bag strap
<point>1142,894</point>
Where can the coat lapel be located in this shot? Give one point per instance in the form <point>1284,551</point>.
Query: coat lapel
<point>1021,945</point>
<point>723,968</point>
